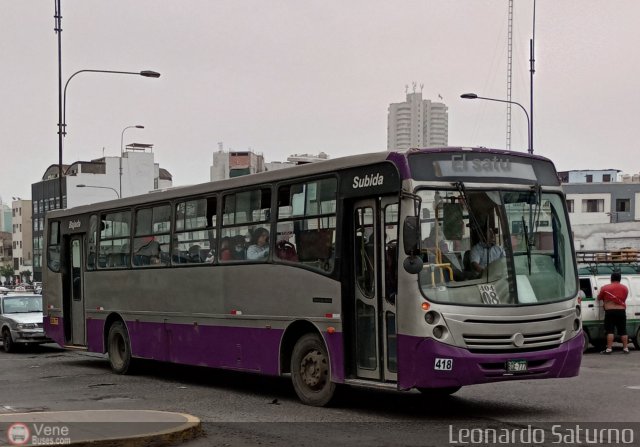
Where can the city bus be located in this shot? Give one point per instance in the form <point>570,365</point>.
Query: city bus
<point>357,270</point>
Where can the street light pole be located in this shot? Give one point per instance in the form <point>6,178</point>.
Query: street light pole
<point>62,102</point>
<point>138,126</point>
<point>58,30</point>
<point>474,96</point>
<point>99,187</point>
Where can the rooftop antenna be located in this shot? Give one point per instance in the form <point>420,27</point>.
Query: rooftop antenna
<point>414,86</point>
<point>421,87</point>
<point>406,89</point>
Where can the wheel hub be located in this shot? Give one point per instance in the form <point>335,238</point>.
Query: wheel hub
<point>313,369</point>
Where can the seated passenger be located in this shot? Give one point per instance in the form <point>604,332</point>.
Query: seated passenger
<point>259,249</point>
<point>225,249</point>
<point>484,253</point>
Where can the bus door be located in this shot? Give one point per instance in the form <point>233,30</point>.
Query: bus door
<point>375,230</point>
<point>78,324</point>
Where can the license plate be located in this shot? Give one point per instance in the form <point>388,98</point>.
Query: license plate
<point>516,366</point>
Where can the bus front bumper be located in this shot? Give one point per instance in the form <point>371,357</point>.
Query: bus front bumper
<point>427,363</point>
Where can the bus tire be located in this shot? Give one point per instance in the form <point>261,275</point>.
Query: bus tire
<point>7,341</point>
<point>439,392</point>
<point>636,339</point>
<point>310,371</point>
<point>119,348</point>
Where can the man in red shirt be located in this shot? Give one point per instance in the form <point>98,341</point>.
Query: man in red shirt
<point>613,297</point>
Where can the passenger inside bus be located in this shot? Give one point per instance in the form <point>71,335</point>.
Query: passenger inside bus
<point>259,249</point>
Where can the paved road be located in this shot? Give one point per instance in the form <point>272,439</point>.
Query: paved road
<point>241,409</point>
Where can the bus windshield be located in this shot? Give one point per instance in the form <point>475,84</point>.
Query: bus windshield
<point>493,247</point>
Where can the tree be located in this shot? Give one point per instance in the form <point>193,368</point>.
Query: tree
<point>6,270</point>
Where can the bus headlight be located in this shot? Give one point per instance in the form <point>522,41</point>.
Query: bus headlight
<point>432,317</point>
<point>439,332</point>
<point>578,311</point>
<point>576,324</point>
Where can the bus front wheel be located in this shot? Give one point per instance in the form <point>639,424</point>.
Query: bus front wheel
<point>119,348</point>
<point>310,371</point>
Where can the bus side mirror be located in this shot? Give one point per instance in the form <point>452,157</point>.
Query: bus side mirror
<point>411,235</point>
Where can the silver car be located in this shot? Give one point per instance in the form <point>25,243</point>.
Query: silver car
<point>21,320</point>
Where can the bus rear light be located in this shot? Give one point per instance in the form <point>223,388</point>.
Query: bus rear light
<point>426,306</point>
<point>332,315</point>
<point>576,324</point>
<point>236,312</point>
<point>331,330</point>
<point>50,306</point>
<point>99,308</point>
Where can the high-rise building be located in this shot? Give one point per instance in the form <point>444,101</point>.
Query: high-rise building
<point>417,122</point>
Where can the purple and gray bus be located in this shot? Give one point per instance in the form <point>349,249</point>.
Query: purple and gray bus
<point>427,269</point>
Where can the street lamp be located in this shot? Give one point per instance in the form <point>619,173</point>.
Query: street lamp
<point>474,96</point>
<point>138,126</point>
<point>99,187</point>
<point>62,121</point>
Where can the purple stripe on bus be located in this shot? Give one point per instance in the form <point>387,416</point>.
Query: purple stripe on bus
<point>469,368</point>
<point>54,331</point>
<point>400,160</point>
<point>248,349</point>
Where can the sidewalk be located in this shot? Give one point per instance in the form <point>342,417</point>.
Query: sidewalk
<point>98,428</point>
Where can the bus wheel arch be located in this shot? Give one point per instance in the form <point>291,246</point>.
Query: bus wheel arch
<point>292,334</point>
<point>118,345</point>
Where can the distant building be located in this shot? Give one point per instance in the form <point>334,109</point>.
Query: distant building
<point>234,164</point>
<point>6,252</point>
<point>98,180</point>
<point>604,211</point>
<point>21,238</point>
<point>5,217</point>
<point>417,122</point>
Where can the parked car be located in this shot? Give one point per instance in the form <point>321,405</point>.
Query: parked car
<point>591,281</point>
<point>21,320</point>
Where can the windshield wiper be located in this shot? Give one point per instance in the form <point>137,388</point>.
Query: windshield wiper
<point>527,244</point>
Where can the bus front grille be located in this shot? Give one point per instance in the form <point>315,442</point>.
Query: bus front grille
<point>512,343</point>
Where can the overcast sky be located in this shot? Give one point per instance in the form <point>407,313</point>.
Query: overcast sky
<point>303,76</point>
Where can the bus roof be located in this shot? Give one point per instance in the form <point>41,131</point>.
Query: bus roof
<point>399,158</point>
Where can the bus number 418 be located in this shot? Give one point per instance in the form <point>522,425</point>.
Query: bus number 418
<point>443,364</point>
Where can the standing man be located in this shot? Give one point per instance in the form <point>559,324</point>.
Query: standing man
<point>613,297</point>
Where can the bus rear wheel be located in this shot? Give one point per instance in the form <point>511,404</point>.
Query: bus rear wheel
<point>119,348</point>
<point>310,371</point>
